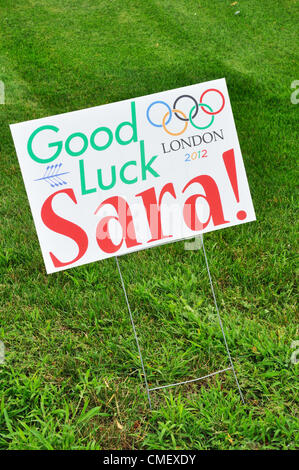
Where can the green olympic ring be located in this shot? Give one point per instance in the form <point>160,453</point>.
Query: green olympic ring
<point>190,116</point>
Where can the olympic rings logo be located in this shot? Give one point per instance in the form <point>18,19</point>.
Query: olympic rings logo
<point>182,116</point>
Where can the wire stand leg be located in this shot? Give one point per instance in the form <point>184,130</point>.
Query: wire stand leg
<point>220,322</point>
<point>135,334</point>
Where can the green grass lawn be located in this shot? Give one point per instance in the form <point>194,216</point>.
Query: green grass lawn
<point>72,376</point>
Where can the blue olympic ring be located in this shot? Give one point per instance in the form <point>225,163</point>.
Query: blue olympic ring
<point>149,119</point>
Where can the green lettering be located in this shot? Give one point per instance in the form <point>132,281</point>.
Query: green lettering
<point>68,141</point>
<point>122,171</point>
<point>113,179</point>
<point>53,144</point>
<point>132,124</point>
<point>146,167</point>
<point>82,178</point>
<point>95,132</point>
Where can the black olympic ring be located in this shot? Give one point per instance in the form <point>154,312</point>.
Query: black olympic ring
<point>194,101</point>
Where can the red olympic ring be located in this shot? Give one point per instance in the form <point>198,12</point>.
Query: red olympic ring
<point>217,91</point>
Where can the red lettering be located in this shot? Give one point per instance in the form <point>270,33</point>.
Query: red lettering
<point>153,210</point>
<point>64,227</point>
<point>126,221</point>
<point>212,197</point>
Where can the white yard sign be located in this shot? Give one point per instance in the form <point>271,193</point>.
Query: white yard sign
<point>131,175</point>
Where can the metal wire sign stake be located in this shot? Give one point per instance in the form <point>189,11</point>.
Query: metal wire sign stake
<point>122,177</point>
<point>148,389</point>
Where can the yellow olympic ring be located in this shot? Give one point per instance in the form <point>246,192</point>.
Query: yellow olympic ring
<point>175,133</point>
